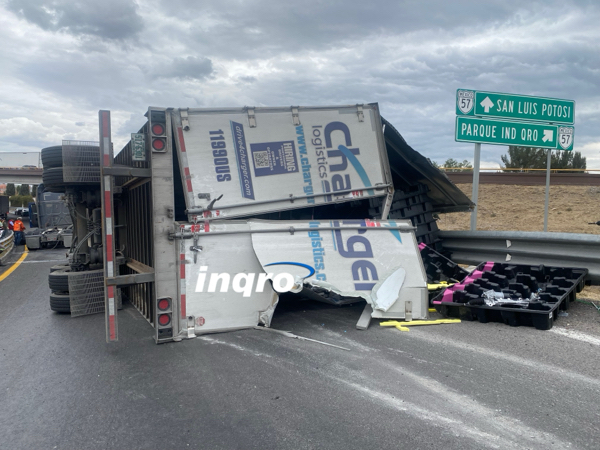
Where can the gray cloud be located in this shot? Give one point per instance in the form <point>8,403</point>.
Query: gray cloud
<point>238,29</point>
<point>109,19</point>
<point>190,67</point>
<point>410,56</point>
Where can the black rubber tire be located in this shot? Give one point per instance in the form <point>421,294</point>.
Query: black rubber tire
<point>52,177</point>
<point>54,181</point>
<point>52,157</point>
<point>60,302</point>
<point>59,280</point>
<point>60,267</point>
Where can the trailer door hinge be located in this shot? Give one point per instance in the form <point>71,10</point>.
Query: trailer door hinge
<point>295,116</point>
<point>359,113</point>
<point>251,118</point>
<point>185,123</point>
<point>196,248</point>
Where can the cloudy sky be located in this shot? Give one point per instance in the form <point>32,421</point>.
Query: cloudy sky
<point>63,60</point>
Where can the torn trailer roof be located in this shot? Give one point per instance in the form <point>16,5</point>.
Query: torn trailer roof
<point>410,168</point>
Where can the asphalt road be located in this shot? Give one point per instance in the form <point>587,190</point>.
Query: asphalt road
<point>459,386</point>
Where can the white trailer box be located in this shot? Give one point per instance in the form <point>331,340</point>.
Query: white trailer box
<point>248,161</point>
<point>231,265</point>
<point>188,166</point>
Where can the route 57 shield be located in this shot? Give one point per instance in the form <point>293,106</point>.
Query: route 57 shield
<point>465,100</point>
<point>565,137</point>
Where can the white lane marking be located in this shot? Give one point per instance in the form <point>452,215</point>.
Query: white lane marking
<point>232,345</point>
<point>506,433</point>
<point>576,335</point>
<point>491,353</point>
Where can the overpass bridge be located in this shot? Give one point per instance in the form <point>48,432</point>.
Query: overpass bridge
<point>21,175</point>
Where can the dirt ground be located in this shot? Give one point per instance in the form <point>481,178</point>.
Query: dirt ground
<point>521,208</point>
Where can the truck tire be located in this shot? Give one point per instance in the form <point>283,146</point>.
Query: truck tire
<point>59,280</point>
<point>52,176</point>
<point>52,156</point>
<point>60,302</point>
<point>60,267</point>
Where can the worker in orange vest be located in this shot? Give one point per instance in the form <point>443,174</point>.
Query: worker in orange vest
<point>18,228</point>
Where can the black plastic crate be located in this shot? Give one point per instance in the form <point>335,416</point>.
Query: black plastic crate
<point>414,190</point>
<point>425,228</point>
<point>432,240</point>
<point>415,210</point>
<point>438,268</point>
<point>423,218</point>
<point>555,287</point>
<point>409,201</point>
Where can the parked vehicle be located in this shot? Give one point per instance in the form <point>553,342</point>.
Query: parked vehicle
<point>4,205</point>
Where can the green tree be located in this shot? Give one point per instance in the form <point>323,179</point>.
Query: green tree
<point>20,200</point>
<point>523,158</point>
<point>24,189</point>
<point>563,159</point>
<point>10,189</point>
<point>34,190</point>
<point>452,165</point>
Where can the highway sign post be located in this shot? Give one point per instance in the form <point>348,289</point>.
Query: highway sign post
<point>514,107</point>
<point>484,117</point>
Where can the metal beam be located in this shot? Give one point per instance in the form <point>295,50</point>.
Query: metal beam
<point>138,266</point>
<point>130,280</point>
<point>125,171</point>
<point>520,247</point>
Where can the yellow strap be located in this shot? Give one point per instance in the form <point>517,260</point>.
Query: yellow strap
<point>441,284</point>
<point>403,326</point>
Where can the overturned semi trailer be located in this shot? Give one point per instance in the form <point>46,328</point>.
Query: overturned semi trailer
<point>291,174</point>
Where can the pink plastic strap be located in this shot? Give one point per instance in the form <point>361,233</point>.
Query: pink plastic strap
<point>476,274</point>
<point>422,246</point>
<point>447,297</point>
<point>488,266</point>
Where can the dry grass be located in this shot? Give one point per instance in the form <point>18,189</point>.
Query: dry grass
<point>521,208</point>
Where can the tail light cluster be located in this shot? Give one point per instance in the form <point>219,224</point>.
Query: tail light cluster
<point>164,317</point>
<point>158,131</point>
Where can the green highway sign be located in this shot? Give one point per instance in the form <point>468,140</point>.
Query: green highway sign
<point>510,132</point>
<point>517,107</point>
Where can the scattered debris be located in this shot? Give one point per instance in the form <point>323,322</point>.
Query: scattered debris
<point>302,338</point>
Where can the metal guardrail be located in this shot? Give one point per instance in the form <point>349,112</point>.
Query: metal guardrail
<point>6,245</point>
<point>520,247</point>
<point>527,178</point>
